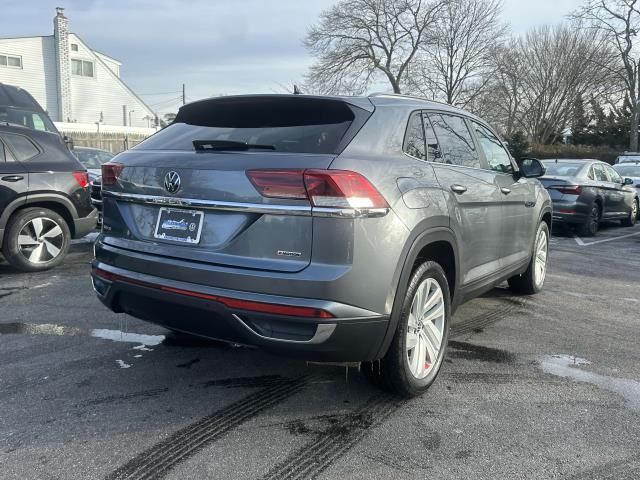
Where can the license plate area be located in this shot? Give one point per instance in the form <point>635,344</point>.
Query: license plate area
<point>178,225</point>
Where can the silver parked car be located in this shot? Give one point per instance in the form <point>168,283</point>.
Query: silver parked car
<point>585,192</point>
<point>330,228</point>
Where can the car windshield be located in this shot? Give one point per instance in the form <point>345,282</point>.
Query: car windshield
<point>26,118</point>
<point>563,169</point>
<point>92,159</point>
<point>628,170</point>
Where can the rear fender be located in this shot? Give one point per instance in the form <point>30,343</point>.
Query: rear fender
<point>413,248</point>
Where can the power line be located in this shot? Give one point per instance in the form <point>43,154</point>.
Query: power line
<point>159,93</point>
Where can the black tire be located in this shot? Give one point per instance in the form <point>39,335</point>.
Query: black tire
<point>528,283</point>
<point>590,227</point>
<point>59,244</point>
<point>631,220</point>
<point>392,371</point>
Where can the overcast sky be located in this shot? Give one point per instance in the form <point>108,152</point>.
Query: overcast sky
<point>214,47</point>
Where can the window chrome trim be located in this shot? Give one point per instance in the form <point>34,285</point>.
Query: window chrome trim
<point>261,208</point>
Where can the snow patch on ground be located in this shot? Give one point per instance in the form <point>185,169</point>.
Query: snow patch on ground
<point>122,364</point>
<point>565,366</point>
<point>119,336</point>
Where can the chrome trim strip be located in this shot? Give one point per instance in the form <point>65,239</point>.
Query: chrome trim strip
<point>299,210</point>
<point>323,332</point>
<point>211,204</point>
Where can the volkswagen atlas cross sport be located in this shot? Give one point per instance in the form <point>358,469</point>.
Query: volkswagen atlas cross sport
<point>333,229</point>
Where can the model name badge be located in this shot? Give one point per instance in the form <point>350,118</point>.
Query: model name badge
<point>285,253</point>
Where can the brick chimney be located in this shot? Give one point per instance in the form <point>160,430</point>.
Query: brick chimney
<point>63,66</point>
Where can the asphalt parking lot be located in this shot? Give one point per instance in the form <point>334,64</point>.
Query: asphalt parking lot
<point>533,387</point>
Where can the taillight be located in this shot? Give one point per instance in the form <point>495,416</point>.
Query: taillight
<point>568,189</point>
<point>110,172</point>
<point>323,188</point>
<point>279,183</point>
<point>82,178</point>
<point>342,189</point>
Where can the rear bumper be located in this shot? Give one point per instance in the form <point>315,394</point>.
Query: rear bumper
<point>570,211</point>
<point>353,334</point>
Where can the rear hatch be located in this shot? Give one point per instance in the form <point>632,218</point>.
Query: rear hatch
<point>186,193</point>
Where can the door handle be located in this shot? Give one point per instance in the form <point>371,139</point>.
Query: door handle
<point>12,178</point>
<point>505,190</point>
<point>455,188</point>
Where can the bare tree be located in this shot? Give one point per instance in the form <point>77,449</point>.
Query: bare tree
<point>538,76</point>
<point>618,21</point>
<point>357,42</point>
<point>456,64</point>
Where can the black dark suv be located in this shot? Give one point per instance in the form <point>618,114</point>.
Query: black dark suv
<point>44,198</point>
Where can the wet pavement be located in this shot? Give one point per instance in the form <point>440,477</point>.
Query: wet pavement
<point>546,386</point>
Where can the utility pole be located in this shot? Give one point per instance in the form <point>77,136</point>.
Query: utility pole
<point>184,95</point>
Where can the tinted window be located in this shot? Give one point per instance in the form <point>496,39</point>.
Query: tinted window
<point>288,124</point>
<point>613,175</point>
<point>22,147</point>
<point>563,169</point>
<point>628,170</point>
<point>455,140</point>
<point>600,173</point>
<point>414,138</point>
<point>497,157</point>
<point>92,159</point>
<point>433,149</point>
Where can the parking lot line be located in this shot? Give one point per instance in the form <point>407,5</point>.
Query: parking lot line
<point>582,243</point>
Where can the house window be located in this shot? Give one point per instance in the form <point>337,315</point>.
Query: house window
<point>11,61</point>
<point>82,68</point>
<point>74,47</point>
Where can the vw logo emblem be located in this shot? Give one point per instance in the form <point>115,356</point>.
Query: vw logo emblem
<point>172,182</point>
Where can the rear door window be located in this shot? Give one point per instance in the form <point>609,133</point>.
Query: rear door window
<point>497,157</point>
<point>434,154</point>
<point>455,140</point>
<point>23,148</point>
<point>281,124</point>
<point>600,173</point>
<point>414,143</point>
<point>613,175</point>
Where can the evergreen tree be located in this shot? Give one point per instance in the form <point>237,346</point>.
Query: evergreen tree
<point>518,145</point>
<point>579,123</point>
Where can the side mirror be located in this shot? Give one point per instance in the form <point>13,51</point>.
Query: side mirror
<point>627,181</point>
<point>532,168</point>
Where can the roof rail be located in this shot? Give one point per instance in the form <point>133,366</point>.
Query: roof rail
<point>413,97</point>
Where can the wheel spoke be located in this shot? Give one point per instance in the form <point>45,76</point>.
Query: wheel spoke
<point>435,313</point>
<point>56,231</point>
<point>412,321</point>
<point>52,249</point>
<point>433,333</point>
<point>430,348</point>
<point>422,355</point>
<point>25,240</point>
<point>36,254</point>
<point>37,226</point>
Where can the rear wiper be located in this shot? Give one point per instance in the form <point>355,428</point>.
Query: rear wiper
<point>227,145</point>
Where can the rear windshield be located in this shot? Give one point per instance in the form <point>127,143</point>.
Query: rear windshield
<point>26,118</point>
<point>563,169</point>
<point>628,170</point>
<point>287,124</point>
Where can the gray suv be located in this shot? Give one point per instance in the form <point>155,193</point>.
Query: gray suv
<point>329,228</point>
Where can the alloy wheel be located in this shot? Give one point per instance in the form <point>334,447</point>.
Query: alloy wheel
<point>542,252</point>
<point>425,328</point>
<point>40,240</point>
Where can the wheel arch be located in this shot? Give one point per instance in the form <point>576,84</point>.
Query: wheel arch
<point>438,244</point>
<point>57,203</point>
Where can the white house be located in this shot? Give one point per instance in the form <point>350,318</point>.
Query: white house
<point>70,80</point>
